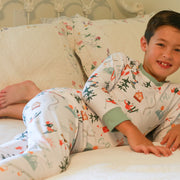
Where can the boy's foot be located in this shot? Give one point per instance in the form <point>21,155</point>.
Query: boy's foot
<point>12,111</point>
<point>17,93</point>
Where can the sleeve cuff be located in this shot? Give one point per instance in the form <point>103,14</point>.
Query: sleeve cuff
<point>114,117</point>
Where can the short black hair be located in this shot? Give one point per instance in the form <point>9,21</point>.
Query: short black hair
<point>165,17</point>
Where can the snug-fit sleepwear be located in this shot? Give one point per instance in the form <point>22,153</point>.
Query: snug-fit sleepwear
<point>62,121</point>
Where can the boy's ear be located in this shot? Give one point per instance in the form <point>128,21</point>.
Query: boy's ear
<point>143,43</point>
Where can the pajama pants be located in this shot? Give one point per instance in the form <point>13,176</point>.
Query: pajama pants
<point>58,123</point>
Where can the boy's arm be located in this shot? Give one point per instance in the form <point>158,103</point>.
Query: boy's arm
<point>172,121</point>
<point>96,92</point>
<point>96,95</point>
<point>138,142</point>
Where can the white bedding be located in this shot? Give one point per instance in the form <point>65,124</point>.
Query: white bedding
<point>114,163</point>
<point>121,163</point>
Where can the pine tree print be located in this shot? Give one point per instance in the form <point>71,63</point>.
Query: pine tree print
<point>7,156</point>
<point>64,164</point>
<point>92,77</point>
<point>93,117</point>
<point>107,85</point>
<point>132,63</point>
<point>78,99</point>
<point>147,84</point>
<point>176,91</point>
<point>23,135</point>
<point>50,128</point>
<point>124,84</point>
<point>89,94</point>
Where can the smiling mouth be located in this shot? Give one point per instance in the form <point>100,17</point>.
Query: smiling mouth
<point>164,64</point>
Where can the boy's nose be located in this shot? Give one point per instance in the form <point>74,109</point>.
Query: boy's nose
<point>167,55</point>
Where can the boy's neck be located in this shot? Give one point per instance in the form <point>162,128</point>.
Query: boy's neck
<point>150,77</point>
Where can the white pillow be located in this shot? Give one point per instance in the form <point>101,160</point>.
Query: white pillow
<point>91,43</point>
<point>64,25</point>
<point>94,40</point>
<point>39,53</point>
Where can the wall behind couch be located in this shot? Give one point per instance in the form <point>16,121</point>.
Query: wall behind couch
<point>155,5</point>
<point>151,5</point>
<point>12,13</point>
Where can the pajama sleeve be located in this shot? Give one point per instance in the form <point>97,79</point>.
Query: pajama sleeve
<point>96,92</point>
<point>174,115</point>
<point>172,118</point>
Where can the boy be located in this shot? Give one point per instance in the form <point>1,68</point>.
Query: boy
<point>121,102</point>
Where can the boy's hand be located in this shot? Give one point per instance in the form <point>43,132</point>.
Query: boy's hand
<point>139,143</point>
<point>172,138</point>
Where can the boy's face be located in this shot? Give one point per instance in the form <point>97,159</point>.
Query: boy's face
<point>162,53</point>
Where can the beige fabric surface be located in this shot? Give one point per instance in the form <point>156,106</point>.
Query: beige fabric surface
<point>38,53</point>
<point>121,163</point>
<point>108,164</point>
<point>41,53</point>
<point>95,40</point>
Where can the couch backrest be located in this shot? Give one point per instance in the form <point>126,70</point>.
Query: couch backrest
<point>45,53</point>
<point>40,53</point>
<point>96,39</point>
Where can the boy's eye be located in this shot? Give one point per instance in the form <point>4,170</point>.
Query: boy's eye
<point>177,50</point>
<point>160,44</point>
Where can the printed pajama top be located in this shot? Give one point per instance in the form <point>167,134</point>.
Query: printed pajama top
<point>120,89</point>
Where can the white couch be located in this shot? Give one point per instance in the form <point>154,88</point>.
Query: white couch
<point>63,52</point>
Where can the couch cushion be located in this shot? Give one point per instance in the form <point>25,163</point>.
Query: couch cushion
<point>96,39</point>
<point>39,53</point>
<point>9,128</point>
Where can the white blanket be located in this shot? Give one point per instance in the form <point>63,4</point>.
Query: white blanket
<point>121,163</point>
<point>118,163</point>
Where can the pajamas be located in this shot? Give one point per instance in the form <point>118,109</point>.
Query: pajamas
<point>62,121</point>
<point>121,89</point>
<point>57,125</point>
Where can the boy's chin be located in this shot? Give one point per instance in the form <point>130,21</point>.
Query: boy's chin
<point>161,78</point>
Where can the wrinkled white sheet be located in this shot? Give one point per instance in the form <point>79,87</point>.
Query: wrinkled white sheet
<point>119,163</point>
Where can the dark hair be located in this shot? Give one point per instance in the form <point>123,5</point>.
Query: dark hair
<point>165,17</point>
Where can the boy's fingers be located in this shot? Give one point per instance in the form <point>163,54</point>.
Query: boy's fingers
<point>145,150</point>
<point>176,144</point>
<point>2,93</point>
<point>2,102</point>
<point>158,151</point>
<point>141,149</point>
<point>165,139</point>
<point>170,141</point>
<point>164,151</point>
<point>155,151</point>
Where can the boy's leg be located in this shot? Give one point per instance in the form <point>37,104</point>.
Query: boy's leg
<point>13,111</point>
<point>17,93</point>
<point>12,96</point>
<point>16,146</point>
<point>52,128</point>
